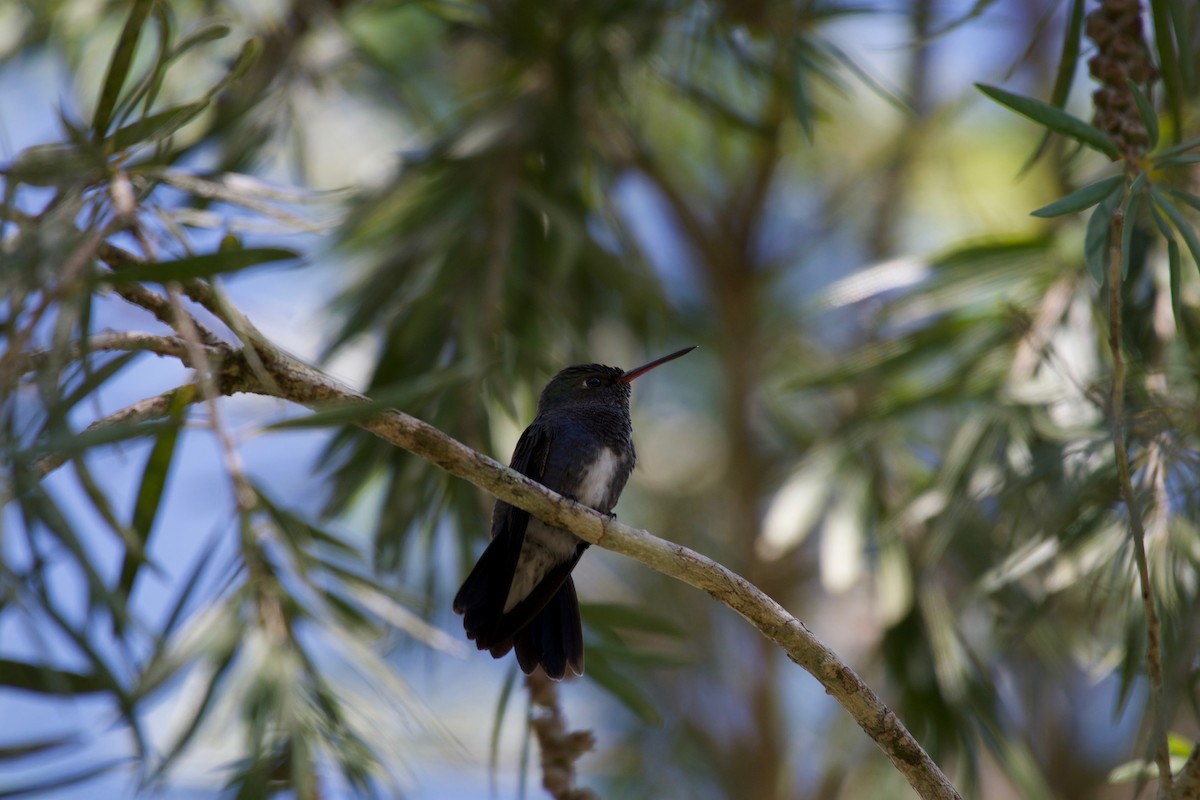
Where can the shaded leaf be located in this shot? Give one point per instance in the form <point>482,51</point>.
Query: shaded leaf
<point>150,492</point>
<point>56,165</point>
<point>1175,276</point>
<point>506,691</point>
<point>1146,111</point>
<point>118,66</point>
<point>11,752</point>
<point>200,266</point>
<point>1168,61</point>
<point>206,34</point>
<point>1064,76</point>
<point>1178,149</point>
<point>1095,242</point>
<point>155,127</point>
<point>1181,223</point>
<point>69,445</point>
<point>247,56</point>
<point>1185,197</point>
<point>44,679</point>
<point>1132,204</point>
<point>624,689</point>
<point>621,616</point>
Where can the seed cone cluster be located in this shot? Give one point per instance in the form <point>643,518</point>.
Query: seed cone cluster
<point>1122,56</point>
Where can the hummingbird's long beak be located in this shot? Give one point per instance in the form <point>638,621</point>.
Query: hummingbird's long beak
<point>644,368</point>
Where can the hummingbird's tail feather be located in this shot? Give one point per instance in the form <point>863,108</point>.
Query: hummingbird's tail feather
<point>553,638</point>
<point>483,595</point>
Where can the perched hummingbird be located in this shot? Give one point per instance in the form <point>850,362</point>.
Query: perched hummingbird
<point>520,593</point>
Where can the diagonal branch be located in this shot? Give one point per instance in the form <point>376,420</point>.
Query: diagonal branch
<point>305,385</point>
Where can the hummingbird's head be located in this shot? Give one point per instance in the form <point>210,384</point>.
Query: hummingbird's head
<point>585,384</point>
<point>596,384</point>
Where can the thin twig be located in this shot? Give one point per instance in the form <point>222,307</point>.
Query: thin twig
<point>67,279</point>
<point>151,408</point>
<point>242,492</point>
<point>171,346</point>
<point>1162,755</point>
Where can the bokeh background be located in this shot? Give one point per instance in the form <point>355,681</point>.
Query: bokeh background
<point>897,423</point>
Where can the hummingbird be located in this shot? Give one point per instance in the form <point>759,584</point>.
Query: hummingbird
<point>520,595</point>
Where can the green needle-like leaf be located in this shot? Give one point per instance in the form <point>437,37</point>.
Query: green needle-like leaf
<point>1131,210</point>
<point>43,679</point>
<point>150,493</point>
<point>1095,242</point>
<point>1173,263</point>
<point>1064,76</point>
<point>1082,198</point>
<point>118,67</point>
<point>1149,117</point>
<point>624,689</point>
<point>202,266</point>
<point>157,127</point>
<point>1181,223</point>
<point>1054,118</point>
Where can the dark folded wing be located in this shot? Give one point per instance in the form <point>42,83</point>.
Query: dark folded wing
<point>482,596</point>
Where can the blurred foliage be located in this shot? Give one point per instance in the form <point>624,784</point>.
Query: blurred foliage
<point>902,430</point>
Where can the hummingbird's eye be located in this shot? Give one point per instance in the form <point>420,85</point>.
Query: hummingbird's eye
<point>592,382</point>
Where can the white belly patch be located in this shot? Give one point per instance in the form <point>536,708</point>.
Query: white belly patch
<point>543,549</point>
<point>593,490</point>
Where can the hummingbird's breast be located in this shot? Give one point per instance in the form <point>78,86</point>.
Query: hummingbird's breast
<point>599,479</point>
